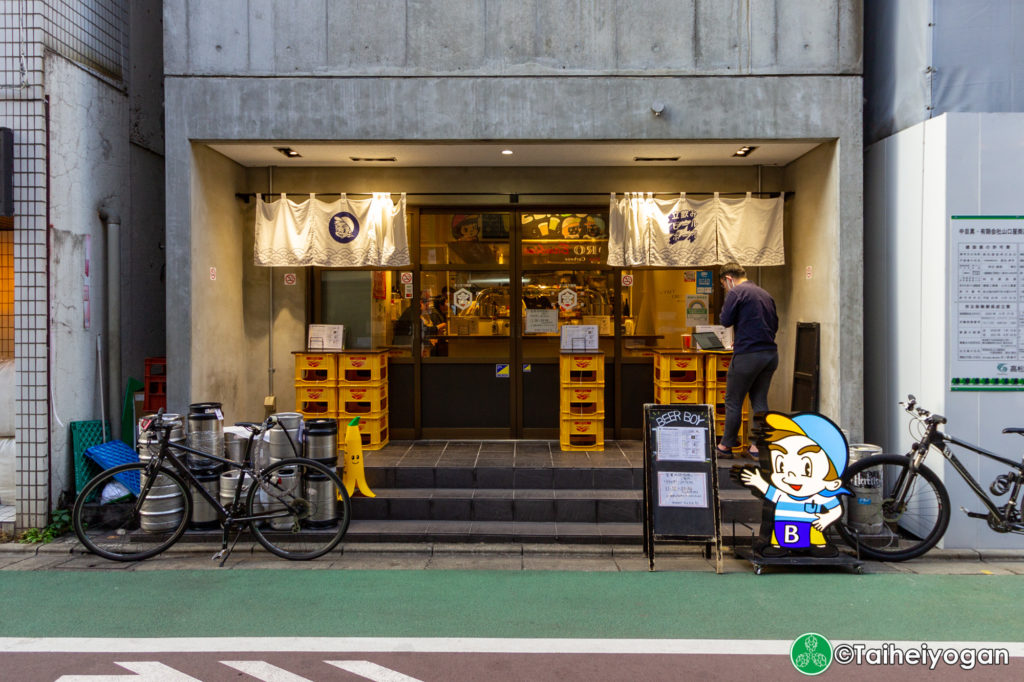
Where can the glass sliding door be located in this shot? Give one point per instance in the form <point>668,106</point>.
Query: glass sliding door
<point>466,320</point>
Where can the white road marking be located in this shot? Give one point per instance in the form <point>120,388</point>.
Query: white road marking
<point>264,671</point>
<point>757,647</point>
<point>372,671</point>
<point>145,671</point>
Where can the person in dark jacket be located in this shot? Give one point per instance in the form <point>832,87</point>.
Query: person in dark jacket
<point>750,311</point>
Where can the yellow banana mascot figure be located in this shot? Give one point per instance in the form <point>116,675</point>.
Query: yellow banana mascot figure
<point>354,474</point>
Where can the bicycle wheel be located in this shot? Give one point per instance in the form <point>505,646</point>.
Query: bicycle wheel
<point>302,506</point>
<point>128,527</point>
<point>893,514</point>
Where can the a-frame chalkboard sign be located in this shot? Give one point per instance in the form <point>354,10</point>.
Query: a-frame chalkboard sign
<point>681,479</point>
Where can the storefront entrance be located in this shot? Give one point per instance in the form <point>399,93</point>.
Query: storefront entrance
<point>473,324</point>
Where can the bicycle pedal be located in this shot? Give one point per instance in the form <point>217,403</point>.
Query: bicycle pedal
<point>973,515</point>
<point>218,555</point>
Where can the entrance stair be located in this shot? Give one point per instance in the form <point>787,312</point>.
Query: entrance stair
<point>518,492</point>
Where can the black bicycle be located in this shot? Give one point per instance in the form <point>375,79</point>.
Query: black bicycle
<point>900,508</point>
<point>297,508</point>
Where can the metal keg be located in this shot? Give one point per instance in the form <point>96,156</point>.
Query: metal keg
<point>229,483</point>
<point>320,441</point>
<point>206,434</point>
<point>283,439</point>
<point>323,500</point>
<point>864,506</point>
<point>149,441</point>
<point>235,444</point>
<point>287,481</point>
<point>164,505</point>
<point>204,515</point>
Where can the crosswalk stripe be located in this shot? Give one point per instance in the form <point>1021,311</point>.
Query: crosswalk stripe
<point>145,671</point>
<point>372,671</point>
<point>265,672</point>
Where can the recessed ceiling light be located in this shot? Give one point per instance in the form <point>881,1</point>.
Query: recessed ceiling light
<point>648,159</point>
<point>744,151</point>
<point>288,151</point>
<point>381,159</point>
<point>506,152</point>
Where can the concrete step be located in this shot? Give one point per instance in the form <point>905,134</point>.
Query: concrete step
<point>501,504</point>
<point>505,477</point>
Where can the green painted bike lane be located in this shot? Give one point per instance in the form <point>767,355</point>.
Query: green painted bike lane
<point>394,603</point>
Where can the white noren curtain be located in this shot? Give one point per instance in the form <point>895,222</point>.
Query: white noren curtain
<point>341,233</point>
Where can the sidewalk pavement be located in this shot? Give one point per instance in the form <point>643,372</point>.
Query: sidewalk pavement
<point>68,554</point>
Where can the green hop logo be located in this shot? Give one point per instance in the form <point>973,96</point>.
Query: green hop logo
<point>811,654</point>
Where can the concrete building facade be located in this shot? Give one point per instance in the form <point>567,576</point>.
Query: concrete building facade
<point>245,76</point>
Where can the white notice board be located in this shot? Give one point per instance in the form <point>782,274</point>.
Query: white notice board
<point>579,337</point>
<point>986,266</point>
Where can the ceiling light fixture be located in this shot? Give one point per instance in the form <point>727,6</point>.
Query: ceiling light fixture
<point>744,151</point>
<point>649,159</point>
<point>288,151</point>
<point>506,152</point>
<point>381,159</point>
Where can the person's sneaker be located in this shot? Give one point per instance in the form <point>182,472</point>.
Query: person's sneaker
<point>824,551</point>
<point>774,551</point>
<point>724,454</point>
<point>753,454</point>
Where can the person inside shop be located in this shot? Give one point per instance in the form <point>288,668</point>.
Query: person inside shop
<point>432,328</point>
<point>750,311</point>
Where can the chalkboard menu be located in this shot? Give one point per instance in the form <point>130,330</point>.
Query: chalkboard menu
<point>681,477</point>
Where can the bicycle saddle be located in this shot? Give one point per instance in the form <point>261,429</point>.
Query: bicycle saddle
<point>1014,429</point>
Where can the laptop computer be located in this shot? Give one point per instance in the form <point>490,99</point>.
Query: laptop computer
<point>708,341</point>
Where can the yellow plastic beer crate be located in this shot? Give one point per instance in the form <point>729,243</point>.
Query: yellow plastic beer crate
<point>316,369</point>
<point>669,394</point>
<point>317,400</point>
<point>363,367</point>
<point>582,400</point>
<point>581,368</point>
<point>582,434</point>
<point>716,398</point>
<point>358,399</point>
<point>373,430</point>
<point>717,367</point>
<point>679,368</point>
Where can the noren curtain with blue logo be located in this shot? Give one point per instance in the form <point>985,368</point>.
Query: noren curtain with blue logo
<point>337,234</point>
<point>683,232</point>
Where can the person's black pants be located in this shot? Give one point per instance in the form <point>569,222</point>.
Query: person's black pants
<point>748,373</point>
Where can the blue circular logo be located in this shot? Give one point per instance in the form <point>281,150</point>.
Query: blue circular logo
<point>344,227</point>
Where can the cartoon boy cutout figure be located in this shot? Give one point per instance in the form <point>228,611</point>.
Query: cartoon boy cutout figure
<point>808,455</point>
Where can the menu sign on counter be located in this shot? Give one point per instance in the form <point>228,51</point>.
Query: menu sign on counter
<point>987,281</point>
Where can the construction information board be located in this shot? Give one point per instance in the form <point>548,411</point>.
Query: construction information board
<point>987,291</point>
<point>681,478</point>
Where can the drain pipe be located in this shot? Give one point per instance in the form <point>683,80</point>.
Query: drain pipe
<point>112,221</point>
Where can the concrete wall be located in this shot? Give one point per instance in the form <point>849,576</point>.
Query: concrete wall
<point>813,233</point>
<point>88,168</point>
<point>525,38</point>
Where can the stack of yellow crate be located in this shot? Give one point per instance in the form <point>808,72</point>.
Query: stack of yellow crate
<point>695,378</point>
<point>363,393</point>
<point>316,385</point>
<point>717,368</point>
<point>343,386</point>
<point>581,380</point>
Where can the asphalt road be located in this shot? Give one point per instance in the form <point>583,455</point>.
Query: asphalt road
<point>290,625</point>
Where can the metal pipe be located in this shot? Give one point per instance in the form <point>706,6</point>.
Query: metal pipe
<point>113,224</point>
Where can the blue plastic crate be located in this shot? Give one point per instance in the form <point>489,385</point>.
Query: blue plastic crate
<point>114,453</point>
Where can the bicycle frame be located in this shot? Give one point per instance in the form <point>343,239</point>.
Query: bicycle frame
<point>224,513</point>
<point>941,441</point>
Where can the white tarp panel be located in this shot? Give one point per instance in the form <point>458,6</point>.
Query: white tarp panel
<point>341,233</point>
